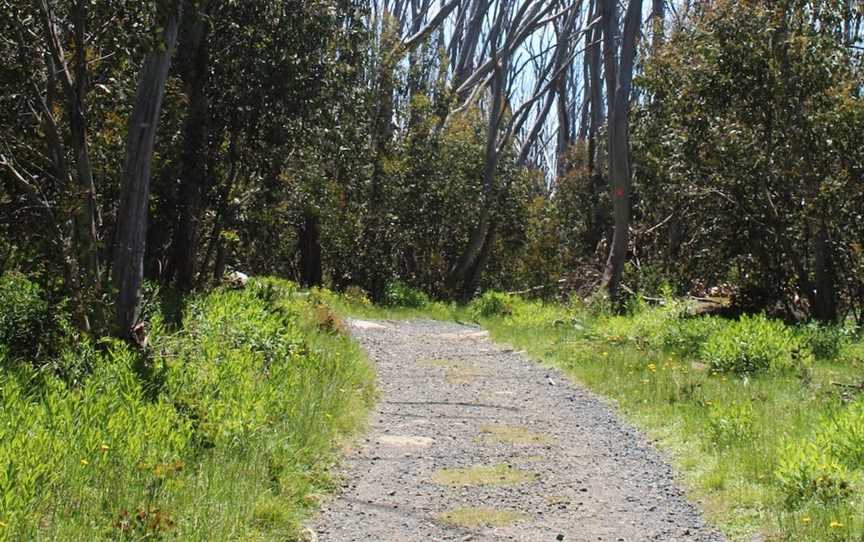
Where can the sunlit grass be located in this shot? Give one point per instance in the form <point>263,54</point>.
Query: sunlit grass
<point>229,433</point>
<point>726,434</point>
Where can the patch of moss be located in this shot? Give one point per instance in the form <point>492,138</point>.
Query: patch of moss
<point>480,517</point>
<point>479,475</point>
<point>455,372</point>
<point>511,434</point>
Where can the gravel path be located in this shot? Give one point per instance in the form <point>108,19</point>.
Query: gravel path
<point>469,432</point>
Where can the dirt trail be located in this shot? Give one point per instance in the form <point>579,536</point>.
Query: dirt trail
<point>472,441</point>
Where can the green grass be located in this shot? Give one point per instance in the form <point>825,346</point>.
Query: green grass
<point>726,433</point>
<point>226,430</point>
<point>734,436</point>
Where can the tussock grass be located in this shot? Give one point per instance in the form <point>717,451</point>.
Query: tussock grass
<point>225,430</point>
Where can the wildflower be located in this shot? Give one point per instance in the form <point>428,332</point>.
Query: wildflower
<point>805,520</point>
<point>652,367</point>
<point>835,525</point>
<point>104,447</point>
<point>3,525</point>
<point>85,462</point>
<point>708,403</point>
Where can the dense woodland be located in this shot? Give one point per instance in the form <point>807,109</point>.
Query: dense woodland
<point>453,146</point>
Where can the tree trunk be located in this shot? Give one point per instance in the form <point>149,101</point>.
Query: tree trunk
<point>825,309</point>
<point>131,236</point>
<point>310,251</point>
<point>195,72</point>
<point>86,237</point>
<point>620,175</point>
<point>466,267</point>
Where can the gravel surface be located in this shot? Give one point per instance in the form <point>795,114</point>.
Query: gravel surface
<point>451,399</point>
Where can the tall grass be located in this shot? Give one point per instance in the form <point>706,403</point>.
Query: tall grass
<point>224,430</point>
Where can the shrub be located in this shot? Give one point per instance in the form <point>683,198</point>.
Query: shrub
<point>399,294</point>
<point>825,341</point>
<point>688,334</point>
<point>730,425</point>
<point>827,466</point>
<point>327,320</point>
<point>356,294</point>
<point>754,344</point>
<point>807,473</point>
<point>492,304</point>
<point>26,320</point>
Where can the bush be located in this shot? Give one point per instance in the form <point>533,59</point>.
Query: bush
<point>356,294</point>
<point>754,344</point>
<point>688,334</point>
<point>399,294</point>
<point>492,304</point>
<point>25,317</point>
<point>730,425</point>
<point>807,473</point>
<point>827,466</point>
<point>825,341</point>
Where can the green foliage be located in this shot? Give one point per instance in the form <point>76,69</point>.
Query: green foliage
<point>755,344</point>
<point>492,304</point>
<point>749,154</point>
<point>399,294</point>
<point>829,466</point>
<point>729,425</point>
<point>825,341</point>
<point>204,437</point>
<point>25,315</point>
<point>806,472</point>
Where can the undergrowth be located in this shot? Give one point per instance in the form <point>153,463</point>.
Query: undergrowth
<point>223,430</point>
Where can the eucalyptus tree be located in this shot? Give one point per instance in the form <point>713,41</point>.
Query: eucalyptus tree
<point>130,241</point>
<point>619,63</point>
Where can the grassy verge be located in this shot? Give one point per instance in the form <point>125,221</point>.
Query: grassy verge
<point>753,421</point>
<point>749,445</point>
<point>225,430</point>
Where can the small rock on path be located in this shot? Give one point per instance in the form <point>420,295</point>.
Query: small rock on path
<point>451,399</point>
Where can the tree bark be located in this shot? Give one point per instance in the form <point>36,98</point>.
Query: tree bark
<point>825,308</point>
<point>195,66</point>
<point>310,251</point>
<point>82,202</point>
<point>459,279</point>
<point>620,174</point>
<point>131,236</point>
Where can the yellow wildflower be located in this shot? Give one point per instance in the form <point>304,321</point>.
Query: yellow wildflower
<point>835,525</point>
<point>708,403</point>
<point>652,367</point>
<point>104,447</point>
<point>85,462</point>
<point>805,520</point>
<point>3,525</point>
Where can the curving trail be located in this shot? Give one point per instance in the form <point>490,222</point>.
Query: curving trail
<point>472,441</point>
